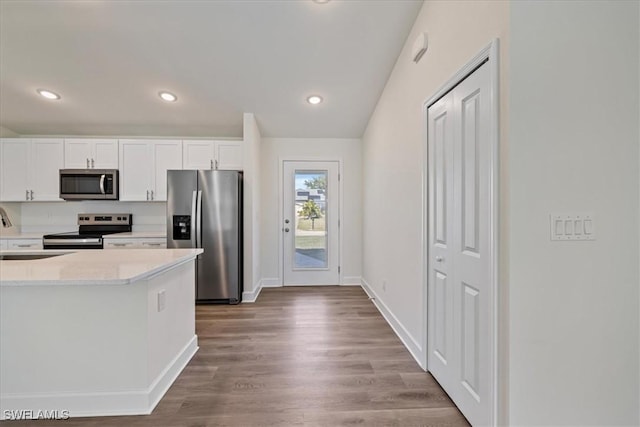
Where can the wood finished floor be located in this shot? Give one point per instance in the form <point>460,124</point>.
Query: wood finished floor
<point>308,356</point>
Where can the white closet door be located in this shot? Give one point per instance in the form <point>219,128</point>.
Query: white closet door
<point>441,348</point>
<point>460,264</point>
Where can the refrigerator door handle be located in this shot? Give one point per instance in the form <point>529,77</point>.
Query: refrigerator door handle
<point>194,230</point>
<point>199,220</point>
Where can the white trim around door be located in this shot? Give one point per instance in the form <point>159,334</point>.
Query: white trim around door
<point>490,56</point>
<point>330,272</point>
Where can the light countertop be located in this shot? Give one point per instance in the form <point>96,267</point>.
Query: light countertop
<point>19,235</point>
<point>137,235</point>
<point>91,267</point>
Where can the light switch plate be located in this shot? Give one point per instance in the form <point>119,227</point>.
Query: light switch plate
<point>576,226</point>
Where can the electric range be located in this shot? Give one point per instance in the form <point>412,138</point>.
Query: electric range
<point>91,228</point>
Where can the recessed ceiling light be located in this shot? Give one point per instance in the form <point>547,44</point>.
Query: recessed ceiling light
<point>314,99</point>
<point>320,1</point>
<point>167,96</point>
<point>48,94</point>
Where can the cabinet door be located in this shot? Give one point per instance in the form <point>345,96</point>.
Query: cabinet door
<point>77,153</point>
<point>15,169</point>
<point>47,158</point>
<point>167,155</point>
<point>229,155</point>
<point>105,154</point>
<point>198,154</point>
<point>136,165</point>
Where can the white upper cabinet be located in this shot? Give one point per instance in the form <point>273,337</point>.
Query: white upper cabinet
<point>91,153</point>
<point>14,181</point>
<point>144,165</point>
<point>229,155</point>
<point>30,169</point>
<point>201,154</point>
<point>198,155</point>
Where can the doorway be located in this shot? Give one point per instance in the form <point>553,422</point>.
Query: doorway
<point>310,223</point>
<point>461,239</point>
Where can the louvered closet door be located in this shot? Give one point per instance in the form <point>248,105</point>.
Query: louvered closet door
<point>460,260</point>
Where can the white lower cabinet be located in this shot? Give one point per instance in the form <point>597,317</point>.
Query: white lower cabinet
<point>136,243</point>
<point>23,244</point>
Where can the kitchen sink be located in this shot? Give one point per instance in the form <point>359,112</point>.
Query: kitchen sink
<point>25,257</point>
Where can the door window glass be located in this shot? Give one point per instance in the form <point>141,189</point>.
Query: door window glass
<point>311,204</point>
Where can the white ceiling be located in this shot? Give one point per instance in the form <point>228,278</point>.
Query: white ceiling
<point>109,59</point>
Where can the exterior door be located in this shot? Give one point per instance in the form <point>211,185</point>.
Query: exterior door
<point>310,226</point>
<point>460,257</point>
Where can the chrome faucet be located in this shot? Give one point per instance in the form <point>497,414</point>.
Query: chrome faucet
<point>6,222</point>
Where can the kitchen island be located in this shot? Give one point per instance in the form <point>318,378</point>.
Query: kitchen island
<point>95,332</point>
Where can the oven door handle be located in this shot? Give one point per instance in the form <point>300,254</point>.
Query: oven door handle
<point>102,177</point>
<point>69,242</point>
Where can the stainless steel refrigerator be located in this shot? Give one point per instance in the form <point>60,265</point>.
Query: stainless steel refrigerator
<point>204,210</point>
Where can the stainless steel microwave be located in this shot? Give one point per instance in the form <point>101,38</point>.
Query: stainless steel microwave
<point>89,184</point>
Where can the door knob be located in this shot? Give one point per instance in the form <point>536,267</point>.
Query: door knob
<point>286,230</point>
<point>439,259</point>
<point>286,221</point>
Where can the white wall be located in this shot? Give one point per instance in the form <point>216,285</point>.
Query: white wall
<point>574,148</point>
<point>276,149</point>
<point>7,133</point>
<point>252,261</point>
<point>63,216</point>
<point>14,212</point>
<point>393,154</point>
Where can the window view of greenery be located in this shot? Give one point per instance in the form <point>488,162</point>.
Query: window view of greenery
<point>310,227</point>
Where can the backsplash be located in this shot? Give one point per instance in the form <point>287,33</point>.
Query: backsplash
<point>14,212</point>
<point>62,216</point>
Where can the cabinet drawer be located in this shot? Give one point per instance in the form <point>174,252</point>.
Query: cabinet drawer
<point>24,244</point>
<point>159,243</point>
<point>141,243</point>
<point>120,244</point>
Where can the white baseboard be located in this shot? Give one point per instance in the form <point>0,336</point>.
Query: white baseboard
<point>134,402</point>
<point>272,282</point>
<point>161,384</point>
<point>251,297</point>
<point>351,281</point>
<point>407,339</point>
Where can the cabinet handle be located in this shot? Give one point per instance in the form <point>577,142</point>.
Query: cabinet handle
<point>216,164</point>
<point>152,196</point>
<point>31,194</point>
<point>92,164</point>
<point>87,163</point>
<point>211,163</point>
<point>26,197</point>
<point>119,244</point>
<point>24,246</point>
<point>147,194</point>
<point>151,244</point>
